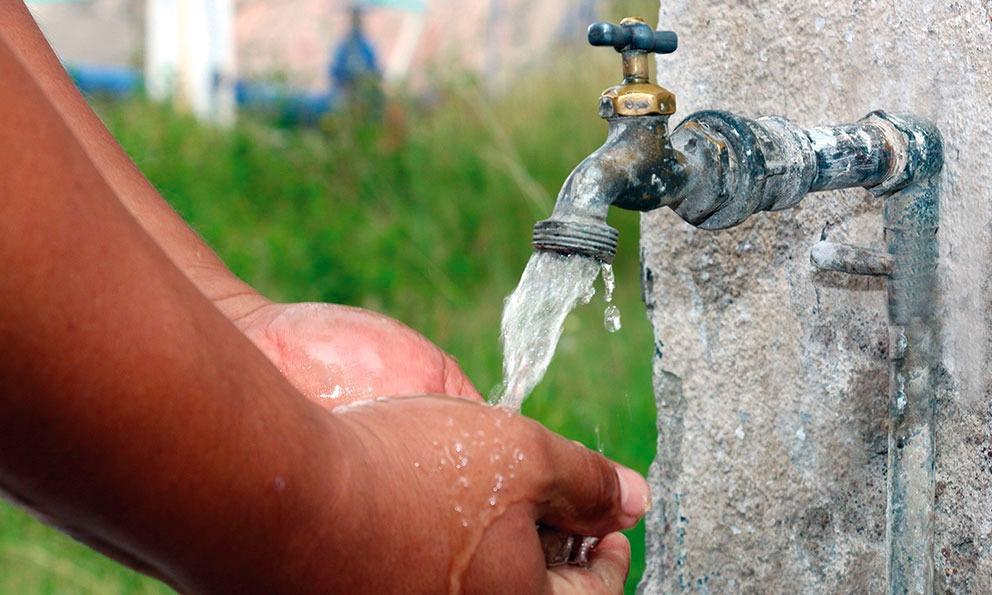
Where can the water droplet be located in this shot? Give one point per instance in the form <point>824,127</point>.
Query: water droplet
<point>458,508</point>
<point>492,500</point>
<point>335,394</point>
<point>599,441</point>
<point>611,318</point>
<point>609,282</point>
<point>459,447</point>
<point>416,465</point>
<point>463,482</point>
<point>465,523</point>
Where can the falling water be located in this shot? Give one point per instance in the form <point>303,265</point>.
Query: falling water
<point>533,317</point>
<point>611,316</point>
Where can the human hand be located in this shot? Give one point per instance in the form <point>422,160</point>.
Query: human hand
<point>445,495</point>
<point>337,355</point>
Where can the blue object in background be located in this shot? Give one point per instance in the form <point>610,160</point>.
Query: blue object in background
<point>292,106</point>
<point>113,81</point>
<point>354,62</point>
<point>354,58</point>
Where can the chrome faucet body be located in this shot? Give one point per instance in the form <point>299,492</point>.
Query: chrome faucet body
<point>716,169</point>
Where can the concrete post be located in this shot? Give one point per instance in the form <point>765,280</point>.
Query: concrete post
<point>771,377</point>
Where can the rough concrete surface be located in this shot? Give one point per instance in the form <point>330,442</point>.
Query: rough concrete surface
<point>771,378</point>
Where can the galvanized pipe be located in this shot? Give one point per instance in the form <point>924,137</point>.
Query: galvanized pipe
<point>912,217</point>
<point>850,155</point>
<point>910,229</point>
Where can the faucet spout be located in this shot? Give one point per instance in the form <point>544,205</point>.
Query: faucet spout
<point>635,169</point>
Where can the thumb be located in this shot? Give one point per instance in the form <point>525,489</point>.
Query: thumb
<point>588,494</point>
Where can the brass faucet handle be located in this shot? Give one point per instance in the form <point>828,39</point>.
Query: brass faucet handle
<point>636,95</point>
<point>633,34</point>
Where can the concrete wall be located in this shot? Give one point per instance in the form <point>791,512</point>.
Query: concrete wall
<point>771,378</point>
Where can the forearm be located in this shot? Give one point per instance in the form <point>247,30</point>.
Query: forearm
<point>182,245</point>
<point>132,414</point>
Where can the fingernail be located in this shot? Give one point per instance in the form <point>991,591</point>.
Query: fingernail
<point>635,495</point>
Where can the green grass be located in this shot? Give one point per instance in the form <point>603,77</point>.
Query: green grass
<point>426,218</point>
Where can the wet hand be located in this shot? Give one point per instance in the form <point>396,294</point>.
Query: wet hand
<point>445,495</point>
<point>337,355</point>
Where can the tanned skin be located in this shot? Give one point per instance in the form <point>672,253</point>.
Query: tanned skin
<point>155,407</point>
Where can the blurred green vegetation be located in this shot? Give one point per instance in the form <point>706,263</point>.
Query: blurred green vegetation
<point>425,217</point>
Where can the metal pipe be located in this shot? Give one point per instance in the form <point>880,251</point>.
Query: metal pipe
<point>912,216</point>
<point>849,156</point>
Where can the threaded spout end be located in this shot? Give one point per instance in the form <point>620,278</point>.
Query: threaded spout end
<point>585,238</point>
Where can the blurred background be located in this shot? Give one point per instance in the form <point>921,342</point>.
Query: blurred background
<point>388,154</point>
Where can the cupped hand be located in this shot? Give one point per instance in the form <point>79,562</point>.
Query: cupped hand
<point>445,495</point>
<point>337,355</point>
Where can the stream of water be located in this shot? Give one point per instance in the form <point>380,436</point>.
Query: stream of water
<point>534,315</point>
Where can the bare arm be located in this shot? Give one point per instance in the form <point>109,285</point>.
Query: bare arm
<point>135,417</point>
<point>287,334</point>
<point>132,414</point>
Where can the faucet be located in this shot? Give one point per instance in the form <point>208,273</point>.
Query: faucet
<point>716,169</point>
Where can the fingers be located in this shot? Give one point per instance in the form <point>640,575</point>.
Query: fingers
<point>605,575</point>
<point>589,495</point>
<point>610,562</point>
<point>456,383</point>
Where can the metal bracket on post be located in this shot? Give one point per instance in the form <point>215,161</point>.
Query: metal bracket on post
<point>853,260</point>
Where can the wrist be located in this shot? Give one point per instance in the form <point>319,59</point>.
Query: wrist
<point>234,298</point>
<point>317,548</point>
